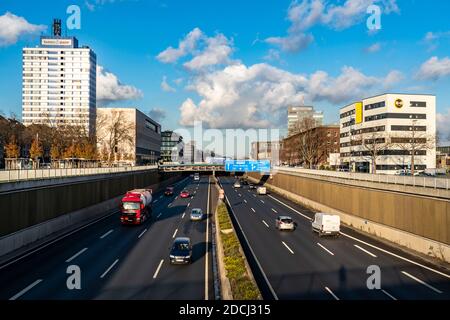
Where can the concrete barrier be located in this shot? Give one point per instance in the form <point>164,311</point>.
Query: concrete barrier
<point>28,238</point>
<point>428,247</point>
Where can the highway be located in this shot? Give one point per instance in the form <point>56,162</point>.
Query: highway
<point>300,265</point>
<point>122,262</point>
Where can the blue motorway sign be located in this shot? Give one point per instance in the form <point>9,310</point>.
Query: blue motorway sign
<point>247,165</point>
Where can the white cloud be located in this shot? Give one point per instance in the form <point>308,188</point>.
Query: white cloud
<point>13,27</point>
<point>434,69</point>
<point>392,78</point>
<point>165,86</point>
<point>185,46</point>
<point>178,81</point>
<point>239,96</point>
<point>308,13</point>
<point>432,39</point>
<point>373,48</point>
<point>272,55</point>
<point>204,51</point>
<point>110,89</point>
<point>217,51</point>
<point>443,126</point>
<point>157,114</point>
<point>291,43</point>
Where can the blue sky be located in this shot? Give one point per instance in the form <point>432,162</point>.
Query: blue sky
<point>249,48</point>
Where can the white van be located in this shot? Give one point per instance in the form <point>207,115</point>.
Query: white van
<point>196,177</point>
<point>326,224</point>
<point>261,190</point>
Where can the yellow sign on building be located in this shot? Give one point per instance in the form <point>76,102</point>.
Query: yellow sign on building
<point>359,112</point>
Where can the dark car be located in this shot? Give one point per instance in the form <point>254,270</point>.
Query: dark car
<point>181,251</point>
<point>244,182</point>
<point>252,186</point>
<point>169,191</point>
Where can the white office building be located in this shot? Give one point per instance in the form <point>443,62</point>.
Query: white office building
<point>298,113</point>
<point>381,133</point>
<point>59,83</point>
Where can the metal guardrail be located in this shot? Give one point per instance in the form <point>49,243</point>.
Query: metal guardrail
<point>33,174</point>
<point>415,181</point>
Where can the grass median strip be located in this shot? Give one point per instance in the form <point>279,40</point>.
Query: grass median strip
<point>242,286</point>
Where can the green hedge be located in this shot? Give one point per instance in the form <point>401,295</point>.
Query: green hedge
<point>241,285</point>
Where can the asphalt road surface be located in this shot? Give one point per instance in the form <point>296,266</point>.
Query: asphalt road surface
<point>300,265</point>
<point>123,262</point>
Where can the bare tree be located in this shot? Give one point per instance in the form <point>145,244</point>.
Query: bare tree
<point>113,131</point>
<point>373,144</point>
<point>311,143</point>
<point>415,143</point>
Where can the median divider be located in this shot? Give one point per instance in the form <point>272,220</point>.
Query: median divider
<point>236,277</point>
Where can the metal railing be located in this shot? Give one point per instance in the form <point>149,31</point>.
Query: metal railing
<point>33,174</point>
<point>415,181</point>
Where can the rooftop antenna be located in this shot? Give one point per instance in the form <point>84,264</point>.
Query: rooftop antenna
<point>56,27</point>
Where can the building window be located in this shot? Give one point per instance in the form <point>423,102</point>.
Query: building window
<point>418,104</point>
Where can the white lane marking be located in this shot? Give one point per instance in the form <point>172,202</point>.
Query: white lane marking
<point>142,233</point>
<point>159,215</point>
<point>287,247</point>
<point>184,213</point>
<point>109,269</point>
<point>245,201</point>
<point>331,292</point>
<point>325,249</point>
<point>253,210</point>
<point>107,234</point>
<point>175,233</point>
<point>207,244</point>
<point>274,210</point>
<point>22,292</point>
<point>371,245</point>
<point>366,251</point>
<point>76,254</point>
<point>388,294</point>
<point>396,255</point>
<point>192,197</point>
<point>176,197</point>
<point>421,282</point>
<point>254,195</point>
<point>265,224</point>
<point>157,269</point>
<point>261,201</point>
<point>188,204</point>
<point>160,197</point>
<point>57,239</point>
<point>253,253</point>
<point>155,201</point>
<point>169,205</point>
<point>288,206</point>
<point>240,195</point>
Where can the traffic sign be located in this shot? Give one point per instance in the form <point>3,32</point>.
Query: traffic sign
<point>247,165</point>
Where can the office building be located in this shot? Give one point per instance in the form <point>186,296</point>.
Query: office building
<point>59,83</point>
<point>267,150</point>
<point>171,147</point>
<point>127,136</point>
<point>312,147</point>
<point>380,134</point>
<point>297,114</point>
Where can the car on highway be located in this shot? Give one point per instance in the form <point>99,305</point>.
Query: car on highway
<point>184,194</point>
<point>285,223</point>
<point>244,182</point>
<point>181,251</point>
<point>237,184</point>
<point>196,214</point>
<point>169,191</point>
<point>196,177</point>
<point>261,190</point>
<point>251,186</point>
<point>326,224</point>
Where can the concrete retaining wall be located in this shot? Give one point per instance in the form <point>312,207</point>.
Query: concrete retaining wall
<point>433,217</point>
<point>26,238</point>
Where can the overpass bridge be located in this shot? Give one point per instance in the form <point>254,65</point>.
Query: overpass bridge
<point>191,167</point>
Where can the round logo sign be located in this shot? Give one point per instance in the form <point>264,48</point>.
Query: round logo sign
<point>399,103</point>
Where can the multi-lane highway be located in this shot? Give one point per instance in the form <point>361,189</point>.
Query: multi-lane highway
<point>122,262</point>
<point>300,265</point>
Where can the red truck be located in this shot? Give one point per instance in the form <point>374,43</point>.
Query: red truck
<point>136,206</point>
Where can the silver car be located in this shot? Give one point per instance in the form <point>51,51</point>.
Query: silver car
<point>285,223</point>
<point>196,214</point>
<point>237,184</point>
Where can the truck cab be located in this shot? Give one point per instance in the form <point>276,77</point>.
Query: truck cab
<point>135,207</point>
